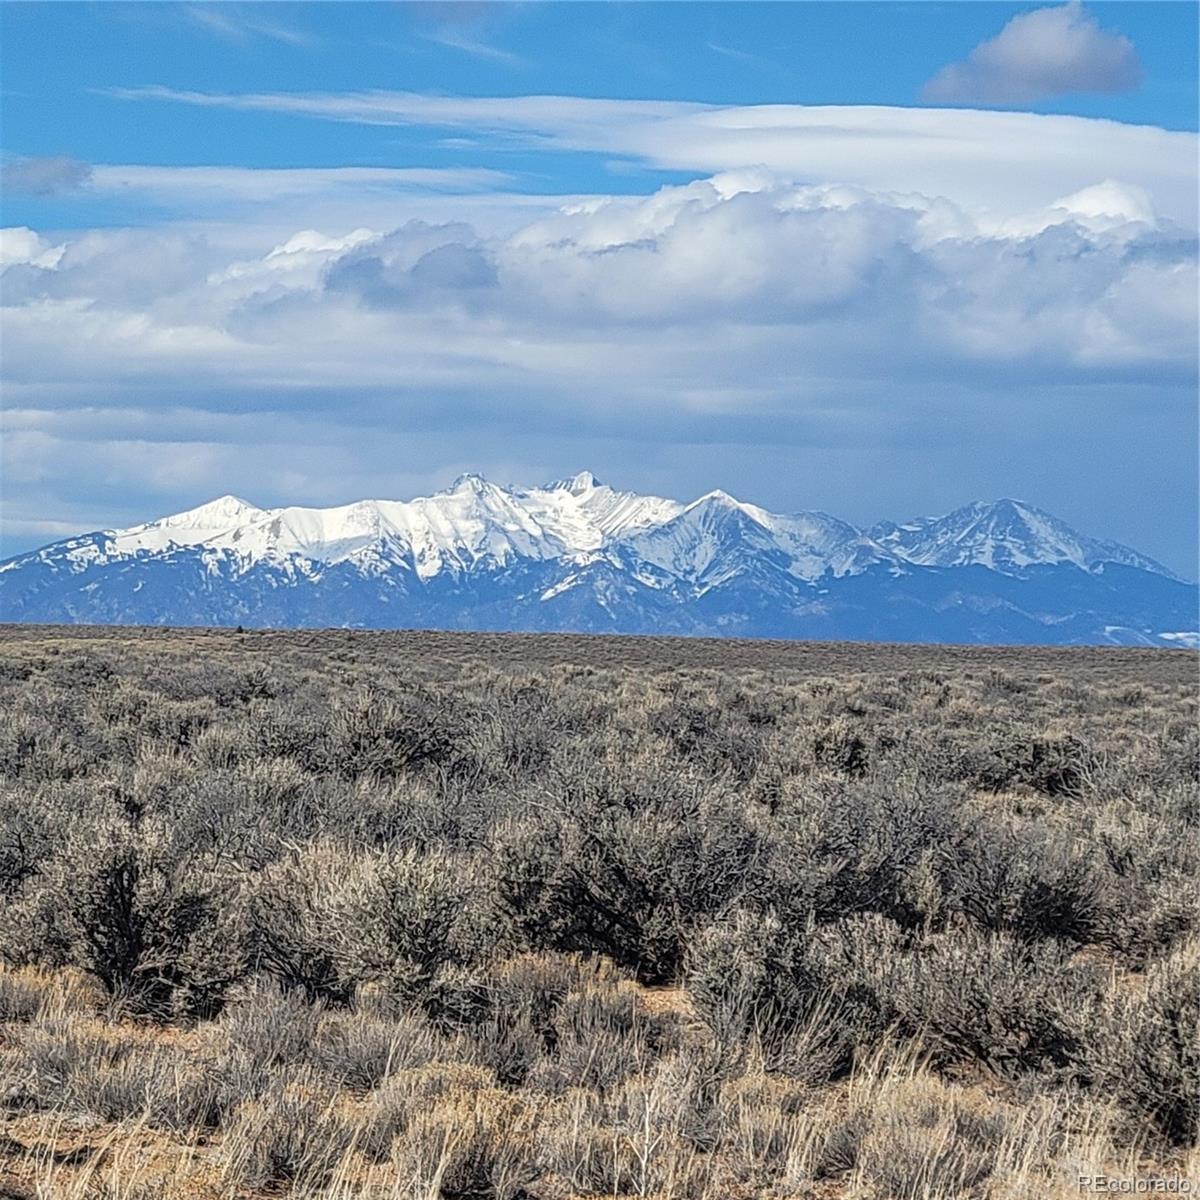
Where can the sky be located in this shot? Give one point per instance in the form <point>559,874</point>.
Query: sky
<point>874,259</point>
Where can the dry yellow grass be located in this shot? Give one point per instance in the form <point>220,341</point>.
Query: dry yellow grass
<point>893,1130</point>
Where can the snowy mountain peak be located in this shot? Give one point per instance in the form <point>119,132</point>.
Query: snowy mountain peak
<point>469,481</point>
<point>716,498</point>
<point>1004,535</point>
<point>718,505</point>
<point>1006,506</point>
<point>577,485</point>
<point>192,527</point>
<point>216,514</point>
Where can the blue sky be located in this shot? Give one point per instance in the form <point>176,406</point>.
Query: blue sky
<point>309,253</point>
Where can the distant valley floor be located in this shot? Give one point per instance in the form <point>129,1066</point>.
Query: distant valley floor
<point>534,650</point>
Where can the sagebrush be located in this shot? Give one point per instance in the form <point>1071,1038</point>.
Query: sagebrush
<point>334,914</point>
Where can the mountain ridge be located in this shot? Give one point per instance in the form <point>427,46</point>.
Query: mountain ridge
<point>578,554</point>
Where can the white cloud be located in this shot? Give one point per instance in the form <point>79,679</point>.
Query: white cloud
<point>197,185</point>
<point>1111,202</point>
<point>302,257</point>
<point>455,39</point>
<point>240,207</point>
<point>236,23</point>
<point>1002,163</point>
<point>742,285</point>
<point>21,246</point>
<point>1037,55</point>
<point>733,52</point>
<point>576,117</point>
<point>1110,206</point>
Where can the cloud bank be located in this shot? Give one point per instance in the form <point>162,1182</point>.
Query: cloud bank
<point>1091,282</point>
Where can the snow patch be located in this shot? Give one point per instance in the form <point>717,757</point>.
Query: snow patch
<point>1189,639</point>
<point>564,585</point>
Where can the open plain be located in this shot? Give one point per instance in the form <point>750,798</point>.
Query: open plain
<point>459,916</point>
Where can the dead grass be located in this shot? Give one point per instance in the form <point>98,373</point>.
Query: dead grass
<point>893,1130</point>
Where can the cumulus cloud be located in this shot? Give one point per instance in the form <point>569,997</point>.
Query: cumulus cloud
<point>389,274</point>
<point>1003,163</point>
<point>23,247</point>
<point>1037,55</point>
<point>741,283</point>
<point>44,176</point>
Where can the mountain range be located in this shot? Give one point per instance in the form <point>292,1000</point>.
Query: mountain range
<point>577,555</point>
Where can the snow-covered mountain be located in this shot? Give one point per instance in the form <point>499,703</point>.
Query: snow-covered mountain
<point>577,554</point>
<point>1005,535</point>
<point>471,525</point>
